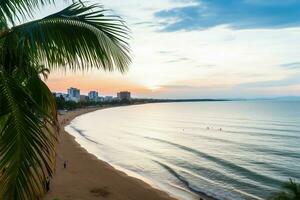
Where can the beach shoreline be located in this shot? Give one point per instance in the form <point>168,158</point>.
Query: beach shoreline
<point>87,177</point>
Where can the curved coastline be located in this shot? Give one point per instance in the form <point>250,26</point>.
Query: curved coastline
<point>87,177</point>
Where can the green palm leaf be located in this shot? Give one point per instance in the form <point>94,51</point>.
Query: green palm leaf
<point>12,8</point>
<point>290,191</point>
<point>27,144</point>
<point>76,36</point>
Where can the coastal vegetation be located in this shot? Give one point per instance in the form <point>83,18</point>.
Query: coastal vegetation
<point>79,37</point>
<point>62,104</point>
<point>290,191</point>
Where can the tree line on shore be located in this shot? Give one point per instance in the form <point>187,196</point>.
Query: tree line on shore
<point>62,104</point>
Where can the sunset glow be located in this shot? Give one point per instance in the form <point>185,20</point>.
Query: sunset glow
<point>176,58</point>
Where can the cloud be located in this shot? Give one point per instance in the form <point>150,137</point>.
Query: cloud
<point>164,52</point>
<point>144,24</point>
<point>220,57</point>
<point>206,66</point>
<point>287,81</point>
<point>182,59</point>
<point>237,14</point>
<point>199,86</point>
<point>292,65</point>
<point>181,87</point>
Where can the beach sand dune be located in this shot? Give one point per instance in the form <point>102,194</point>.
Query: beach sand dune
<point>88,178</point>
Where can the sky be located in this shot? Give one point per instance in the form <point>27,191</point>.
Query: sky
<point>200,49</point>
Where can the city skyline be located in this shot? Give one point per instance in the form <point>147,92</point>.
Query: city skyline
<point>180,53</point>
<point>96,92</point>
<point>91,93</point>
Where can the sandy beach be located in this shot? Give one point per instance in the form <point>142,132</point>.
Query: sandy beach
<point>87,177</point>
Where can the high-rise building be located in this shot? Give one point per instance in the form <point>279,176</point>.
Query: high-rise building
<point>124,95</point>
<point>74,94</point>
<point>93,96</point>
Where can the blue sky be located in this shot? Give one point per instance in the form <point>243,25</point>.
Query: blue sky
<point>236,14</point>
<point>202,49</point>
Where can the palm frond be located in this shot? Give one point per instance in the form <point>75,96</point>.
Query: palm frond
<point>12,8</point>
<point>78,36</point>
<point>290,191</point>
<point>26,142</point>
<point>292,188</point>
<point>43,71</point>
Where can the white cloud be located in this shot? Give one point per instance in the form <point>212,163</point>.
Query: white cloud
<point>237,56</point>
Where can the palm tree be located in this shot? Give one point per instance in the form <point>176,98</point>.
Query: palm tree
<point>290,191</point>
<point>78,37</point>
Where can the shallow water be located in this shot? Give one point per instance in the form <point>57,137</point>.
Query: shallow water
<point>228,150</point>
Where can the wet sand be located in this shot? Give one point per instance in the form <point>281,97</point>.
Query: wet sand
<point>88,178</point>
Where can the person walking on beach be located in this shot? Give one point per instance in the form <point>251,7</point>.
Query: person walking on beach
<point>47,184</point>
<point>65,164</point>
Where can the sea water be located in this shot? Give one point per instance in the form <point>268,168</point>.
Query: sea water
<point>227,150</point>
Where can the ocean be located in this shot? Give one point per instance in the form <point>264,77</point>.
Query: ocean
<point>228,150</point>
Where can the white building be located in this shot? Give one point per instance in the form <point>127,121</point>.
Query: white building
<point>93,96</point>
<point>124,95</point>
<point>74,94</point>
<point>108,99</point>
